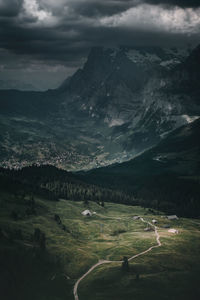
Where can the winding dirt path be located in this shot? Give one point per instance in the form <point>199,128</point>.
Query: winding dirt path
<point>101,262</point>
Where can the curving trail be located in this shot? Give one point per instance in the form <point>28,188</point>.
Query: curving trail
<point>149,249</point>
<point>101,262</point>
<point>81,278</point>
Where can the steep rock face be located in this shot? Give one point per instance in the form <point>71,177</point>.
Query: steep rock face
<point>117,76</point>
<point>123,101</point>
<point>129,91</point>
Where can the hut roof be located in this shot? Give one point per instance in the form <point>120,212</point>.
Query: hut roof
<point>86,212</point>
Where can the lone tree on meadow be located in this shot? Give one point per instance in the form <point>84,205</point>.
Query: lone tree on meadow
<point>125,265</point>
<point>57,219</point>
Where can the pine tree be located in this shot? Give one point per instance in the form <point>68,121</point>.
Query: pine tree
<point>125,265</point>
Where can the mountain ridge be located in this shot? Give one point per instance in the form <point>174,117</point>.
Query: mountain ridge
<point>122,102</point>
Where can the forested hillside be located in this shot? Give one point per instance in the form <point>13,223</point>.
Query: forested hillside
<point>53,183</point>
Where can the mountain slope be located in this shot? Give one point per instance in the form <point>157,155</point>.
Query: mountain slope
<point>122,102</point>
<point>166,176</point>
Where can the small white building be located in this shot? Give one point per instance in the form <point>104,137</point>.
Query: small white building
<point>172,230</point>
<point>87,213</point>
<point>136,217</point>
<point>172,217</point>
<point>154,221</point>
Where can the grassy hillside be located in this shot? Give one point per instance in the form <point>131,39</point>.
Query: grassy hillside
<point>42,256</point>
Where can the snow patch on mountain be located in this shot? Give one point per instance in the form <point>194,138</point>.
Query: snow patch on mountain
<point>169,63</point>
<point>190,119</point>
<point>114,121</point>
<point>165,57</point>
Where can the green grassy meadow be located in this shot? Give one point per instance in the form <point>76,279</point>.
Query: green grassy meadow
<point>28,272</point>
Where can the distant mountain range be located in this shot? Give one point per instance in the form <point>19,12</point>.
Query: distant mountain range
<point>122,102</point>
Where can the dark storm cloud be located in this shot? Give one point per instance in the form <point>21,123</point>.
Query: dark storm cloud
<point>181,3</point>
<point>66,29</point>
<point>10,8</point>
<point>104,7</point>
<point>58,44</point>
<point>61,32</point>
<point>111,7</point>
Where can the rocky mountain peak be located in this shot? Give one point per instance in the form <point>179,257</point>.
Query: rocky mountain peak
<point>123,64</point>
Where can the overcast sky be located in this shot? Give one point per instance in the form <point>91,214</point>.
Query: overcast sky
<point>44,41</point>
